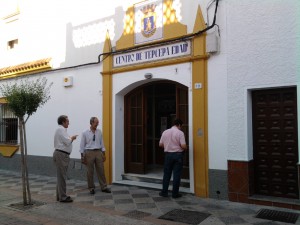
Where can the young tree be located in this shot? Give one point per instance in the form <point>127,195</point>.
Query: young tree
<point>24,98</point>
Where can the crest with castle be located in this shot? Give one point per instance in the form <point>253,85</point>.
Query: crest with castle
<point>148,27</point>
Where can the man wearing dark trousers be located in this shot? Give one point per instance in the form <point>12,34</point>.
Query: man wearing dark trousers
<point>93,154</point>
<point>61,157</point>
<point>173,142</point>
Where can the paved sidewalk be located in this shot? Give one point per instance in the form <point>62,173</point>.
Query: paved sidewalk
<point>125,205</point>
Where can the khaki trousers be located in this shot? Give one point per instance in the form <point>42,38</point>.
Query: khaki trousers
<point>61,161</point>
<point>94,158</point>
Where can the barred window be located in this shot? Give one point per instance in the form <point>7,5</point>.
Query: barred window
<point>8,126</point>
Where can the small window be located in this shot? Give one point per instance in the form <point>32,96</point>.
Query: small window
<point>12,44</point>
<point>8,126</point>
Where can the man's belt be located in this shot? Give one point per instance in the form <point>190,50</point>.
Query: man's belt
<point>173,152</point>
<point>62,151</point>
<point>94,149</point>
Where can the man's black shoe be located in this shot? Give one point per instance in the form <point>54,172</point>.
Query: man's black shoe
<point>177,196</point>
<point>57,199</point>
<point>106,190</point>
<point>92,192</point>
<point>163,195</point>
<point>67,200</point>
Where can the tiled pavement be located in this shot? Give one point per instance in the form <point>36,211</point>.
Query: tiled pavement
<point>125,205</point>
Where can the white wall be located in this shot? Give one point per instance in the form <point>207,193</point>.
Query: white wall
<point>79,103</point>
<point>218,93</point>
<point>73,33</point>
<point>262,52</point>
<point>258,48</point>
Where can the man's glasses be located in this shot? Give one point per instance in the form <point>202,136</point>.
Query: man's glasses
<point>94,137</point>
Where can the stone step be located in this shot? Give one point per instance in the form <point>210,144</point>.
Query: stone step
<point>152,179</point>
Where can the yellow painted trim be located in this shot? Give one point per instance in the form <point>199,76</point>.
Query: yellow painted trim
<point>3,101</point>
<point>172,28</point>
<point>200,117</point>
<point>8,150</point>
<point>13,11</point>
<point>127,38</point>
<point>107,109</point>
<point>17,12</point>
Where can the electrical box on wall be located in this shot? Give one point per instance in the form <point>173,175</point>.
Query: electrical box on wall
<point>212,42</point>
<point>68,81</point>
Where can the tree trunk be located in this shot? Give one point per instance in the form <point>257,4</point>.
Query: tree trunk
<point>26,167</point>
<point>22,160</point>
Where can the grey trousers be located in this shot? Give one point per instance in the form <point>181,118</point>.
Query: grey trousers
<point>95,159</point>
<point>61,161</point>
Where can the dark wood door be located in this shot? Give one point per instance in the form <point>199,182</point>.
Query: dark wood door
<point>134,133</point>
<point>149,110</point>
<point>275,142</point>
<point>182,113</point>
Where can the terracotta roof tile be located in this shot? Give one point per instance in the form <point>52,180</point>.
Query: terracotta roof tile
<point>24,68</point>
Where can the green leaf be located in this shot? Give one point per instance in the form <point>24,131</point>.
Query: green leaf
<point>25,97</point>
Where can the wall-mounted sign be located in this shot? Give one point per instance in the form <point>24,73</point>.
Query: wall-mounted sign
<point>148,21</point>
<point>174,50</point>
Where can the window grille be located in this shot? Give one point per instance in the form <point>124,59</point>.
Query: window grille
<point>8,126</point>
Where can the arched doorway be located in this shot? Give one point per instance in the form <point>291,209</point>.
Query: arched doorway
<point>149,110</point>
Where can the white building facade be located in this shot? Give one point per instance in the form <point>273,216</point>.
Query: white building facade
<point>229,69</point>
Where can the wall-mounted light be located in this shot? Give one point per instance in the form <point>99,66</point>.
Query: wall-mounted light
<point>68,81</point>
<point>148,75</point>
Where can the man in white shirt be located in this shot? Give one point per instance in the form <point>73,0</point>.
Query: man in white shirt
<point>61,157</point>
<point>92,151</point>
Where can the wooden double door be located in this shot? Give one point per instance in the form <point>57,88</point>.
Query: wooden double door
<point>275,142</point>
<point>149,110</point>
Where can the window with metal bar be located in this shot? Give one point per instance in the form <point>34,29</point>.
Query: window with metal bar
<point>8,126</point>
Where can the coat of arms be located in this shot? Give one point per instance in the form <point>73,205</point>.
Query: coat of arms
<point>148,26</point>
